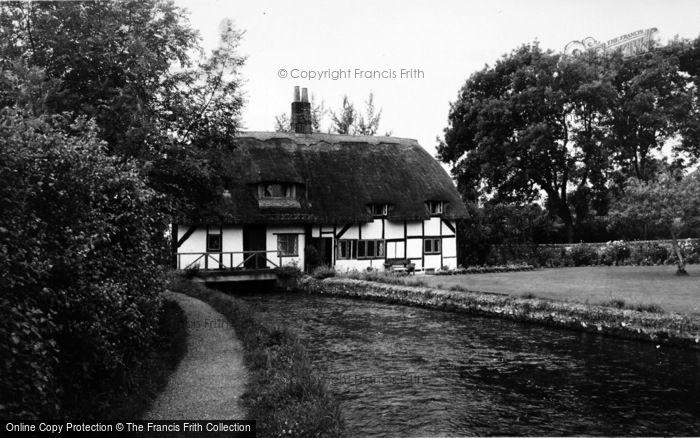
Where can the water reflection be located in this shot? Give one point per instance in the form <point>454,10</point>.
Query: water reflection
<point>403,371</point>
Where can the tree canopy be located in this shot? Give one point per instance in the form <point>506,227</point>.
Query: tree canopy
<point>136,68</point>
<point>111,120</point>
<point>670,200</point>
<point>570,128</point>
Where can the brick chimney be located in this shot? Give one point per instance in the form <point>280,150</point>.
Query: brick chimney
<point>301,112</point>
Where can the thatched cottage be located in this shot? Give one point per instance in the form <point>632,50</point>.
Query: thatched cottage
<point>351,202</point>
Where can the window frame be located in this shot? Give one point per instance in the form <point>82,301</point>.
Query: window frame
<point>379,210</point>
<point>287,190</point>
<point>436,208</point>
<point>350,244</point>
<point>211,233</point>
<point>364,245</point>
<point>435,245</point>
<point>284,253</point>
<point>395,243</point>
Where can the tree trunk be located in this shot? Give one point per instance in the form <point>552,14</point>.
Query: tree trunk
<point>558,206</point>
<point>565,215</point>
<point>679,256</point>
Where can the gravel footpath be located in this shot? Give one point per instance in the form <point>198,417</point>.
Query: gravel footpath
<point>211,378</point>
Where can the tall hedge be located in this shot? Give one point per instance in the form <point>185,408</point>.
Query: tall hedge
<point>82,239</point>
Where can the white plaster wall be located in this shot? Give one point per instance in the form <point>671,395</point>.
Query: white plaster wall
<point>393,230</point>
<point>271,245</point>
<point>449,247</point>
<point>196,243</point>
<point>414,248</point>
<point>395,250</point>
<point>351,233</point>
<point>419,263</point>
<point>372,230</point>
<point>432,261</point>
<point>414,229</point>
<point>432,226</point>
<point>450,262</point>
<point>185,260</point>
<point>232,241</point>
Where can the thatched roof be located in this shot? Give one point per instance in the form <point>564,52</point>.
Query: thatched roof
<point>342,174</point>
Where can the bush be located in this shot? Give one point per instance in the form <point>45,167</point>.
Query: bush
<point>583,255</point>
<point>387,277</point>
<point>192,271</point>
<point>548,256</point>
<point>690,249</point>
<point>649,254</point>
<point>287,271</point>
<point>82,242</point>
<point>616,302</point>
<point>323,272</point>
<point>617,252</point>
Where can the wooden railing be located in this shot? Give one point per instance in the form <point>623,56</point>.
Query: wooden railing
<point>216,260</point>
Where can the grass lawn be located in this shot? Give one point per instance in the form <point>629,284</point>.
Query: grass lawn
<point>633,284</point>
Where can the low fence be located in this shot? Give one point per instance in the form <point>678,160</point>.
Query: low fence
<point>664,242</point>
<point>638,252</point>
<point>229,260</point>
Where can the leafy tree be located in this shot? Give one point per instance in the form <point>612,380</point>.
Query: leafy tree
<point>318,112</point>
<point>201,106</point>
<point>368,124</point>
<point>670,200</point>
<point>503,224</point>
<point>128,64</point>
<point>525,125</point>
<point>136,68</point>
<point>110,59</point>
<point>344,120</point>
<point>283,123</point>
<point>689,64</point>
<point>100,104</point>
<point>651,105</point>
<point>350,121</point>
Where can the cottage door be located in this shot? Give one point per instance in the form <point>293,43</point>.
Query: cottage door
<point>254,246</point>
<point>323,253</point>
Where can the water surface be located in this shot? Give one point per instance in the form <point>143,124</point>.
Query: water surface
<point>405,371</point>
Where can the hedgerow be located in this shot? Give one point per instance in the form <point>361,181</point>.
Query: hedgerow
<point>81,248</point>
<point>618,252</point>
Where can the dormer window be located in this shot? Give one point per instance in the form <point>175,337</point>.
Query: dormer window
<point>277,190</point>
<point>278,195</point>
<point>435,207</point>
<point>379,210</point>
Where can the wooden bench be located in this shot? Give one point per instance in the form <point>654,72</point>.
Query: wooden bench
<point>399,265</point>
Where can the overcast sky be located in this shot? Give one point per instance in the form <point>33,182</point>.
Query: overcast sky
<point>440,42</point>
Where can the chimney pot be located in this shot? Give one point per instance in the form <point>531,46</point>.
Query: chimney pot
<point>301,112</point>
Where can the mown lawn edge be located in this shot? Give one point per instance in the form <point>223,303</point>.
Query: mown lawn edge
<point>660,328</point>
